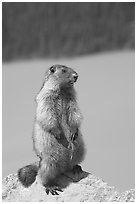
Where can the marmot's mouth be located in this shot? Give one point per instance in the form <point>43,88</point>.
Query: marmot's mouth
<point>71,82</point>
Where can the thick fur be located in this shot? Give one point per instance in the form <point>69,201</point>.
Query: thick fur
<point>27,174</point>
<point>57,139</point>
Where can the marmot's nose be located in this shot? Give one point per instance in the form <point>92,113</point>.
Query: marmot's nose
<point>75,76</point>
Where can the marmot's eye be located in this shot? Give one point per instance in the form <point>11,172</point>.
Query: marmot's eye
<point>64,70</point>
<point>52,69</point>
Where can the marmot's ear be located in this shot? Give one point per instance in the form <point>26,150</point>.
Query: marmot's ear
<point>52,69</point>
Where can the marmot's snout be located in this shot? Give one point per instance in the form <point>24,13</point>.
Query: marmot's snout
<point>75,76</point>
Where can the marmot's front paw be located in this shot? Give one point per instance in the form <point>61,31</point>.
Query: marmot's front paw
<point>56,133</point>
<point>74,135</point>
<point>53,190</point>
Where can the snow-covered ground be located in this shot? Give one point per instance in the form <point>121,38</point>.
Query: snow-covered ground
<point>105,90</point>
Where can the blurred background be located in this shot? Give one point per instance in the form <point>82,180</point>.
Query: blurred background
<point>65,29</point>
<point>97,40</point>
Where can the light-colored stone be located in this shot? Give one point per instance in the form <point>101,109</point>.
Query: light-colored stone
<point>84,187</point>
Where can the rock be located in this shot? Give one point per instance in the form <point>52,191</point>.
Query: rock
<point>82,187</point>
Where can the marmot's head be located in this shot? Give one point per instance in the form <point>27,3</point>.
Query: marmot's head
<point>60,75</point>
<point>58,78</point>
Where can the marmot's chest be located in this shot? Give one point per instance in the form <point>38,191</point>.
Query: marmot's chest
<point>62,109</point>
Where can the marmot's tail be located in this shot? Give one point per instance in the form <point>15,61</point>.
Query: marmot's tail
<point>27,174</point>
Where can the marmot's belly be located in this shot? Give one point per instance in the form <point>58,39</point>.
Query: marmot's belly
<point>58,151</point>
<point>47,144</point>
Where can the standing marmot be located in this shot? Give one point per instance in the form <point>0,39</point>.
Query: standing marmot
<point>56,137</point>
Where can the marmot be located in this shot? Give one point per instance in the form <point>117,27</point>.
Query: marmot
<point>57,139</point>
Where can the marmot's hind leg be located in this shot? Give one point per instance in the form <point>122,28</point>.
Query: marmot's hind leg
<point>77,169</point>
<point>52,187</point>
<point>48,173</point>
